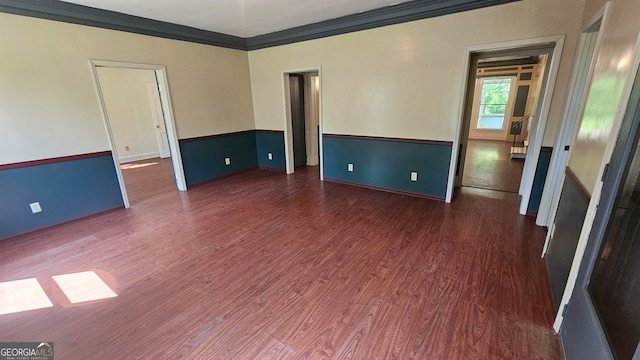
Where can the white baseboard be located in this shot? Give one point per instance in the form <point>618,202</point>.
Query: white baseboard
<point>130,158</point>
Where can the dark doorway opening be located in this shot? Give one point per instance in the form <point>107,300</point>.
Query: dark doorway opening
<point>296,89</point>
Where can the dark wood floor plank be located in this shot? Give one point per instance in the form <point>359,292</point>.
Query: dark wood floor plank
<point>472,339</point>
<point>361,339</point>
<point>262,265</point>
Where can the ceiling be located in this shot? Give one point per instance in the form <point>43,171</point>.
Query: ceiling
<point>243,18</point>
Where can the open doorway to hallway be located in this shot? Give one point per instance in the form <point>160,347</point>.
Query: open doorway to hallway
<point>303,133</point>
<point>505,98</point>
<point>135,119</point>
<point>505,107</point>
<point>134,109</point>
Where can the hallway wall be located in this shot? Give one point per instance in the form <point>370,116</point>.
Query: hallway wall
<point>129,110</point>
<point>598,126</point>
<point>607,98</point>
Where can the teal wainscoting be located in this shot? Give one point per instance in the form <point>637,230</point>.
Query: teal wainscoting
<point>203,158</point>
<point>387,163</point>
<point>539,179</point>
<point>270,141</point>
<point>572,210</point>
<point>67,188</point>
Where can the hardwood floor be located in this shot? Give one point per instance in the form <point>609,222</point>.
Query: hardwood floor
<point>262,265</point>
<point>144,179</point>
<point>488,165</point>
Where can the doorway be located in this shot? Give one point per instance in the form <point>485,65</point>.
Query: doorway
<point>524,120</point>
<point>296,99</point>
<point>137,112</point>
<point>132,101</point>
<point>303,114</point>
<point>505,96</point>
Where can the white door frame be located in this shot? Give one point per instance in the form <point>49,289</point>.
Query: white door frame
<point>165,98</point>
<point>288,133</point>
<point>311,129</point>
<point>584,64</point>
<point>537,132</point>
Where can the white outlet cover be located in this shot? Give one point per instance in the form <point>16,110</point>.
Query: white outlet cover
<point>270,156</point>
<point>349,167</point>
<point>227,161</point>
<point>414,176</point>
<point>35,207</point>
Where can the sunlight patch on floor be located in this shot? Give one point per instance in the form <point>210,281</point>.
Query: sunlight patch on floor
<point>488,155</point>
<point>22,295</point>
<point>83,286</point>
<point>136,166</point>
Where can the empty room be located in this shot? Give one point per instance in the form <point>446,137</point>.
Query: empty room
<point>281,179</point>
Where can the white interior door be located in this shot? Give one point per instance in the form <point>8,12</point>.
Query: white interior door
<point>158,120</point>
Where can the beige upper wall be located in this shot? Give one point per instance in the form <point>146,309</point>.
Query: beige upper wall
<point>598,126</point>
<point>48,106</point>
<point>405,80</point>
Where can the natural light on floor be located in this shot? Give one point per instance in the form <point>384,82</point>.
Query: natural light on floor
<point>487,154</point>
<point>83,286</point>
<point>135,166</point>
<point>22,295</point>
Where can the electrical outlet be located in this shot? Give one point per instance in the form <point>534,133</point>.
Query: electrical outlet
<point>227,161</point>
<point>35,207</point>
<point>270,156</point>
<point>414,176</point>
<point>126,148</point>
<point>350,167</point>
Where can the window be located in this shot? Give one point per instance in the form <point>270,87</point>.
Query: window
<point>494,97</point>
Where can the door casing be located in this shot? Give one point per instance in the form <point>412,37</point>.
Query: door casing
<point>537,132</point>
<point>165,96</point>
<point>288,133</point>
